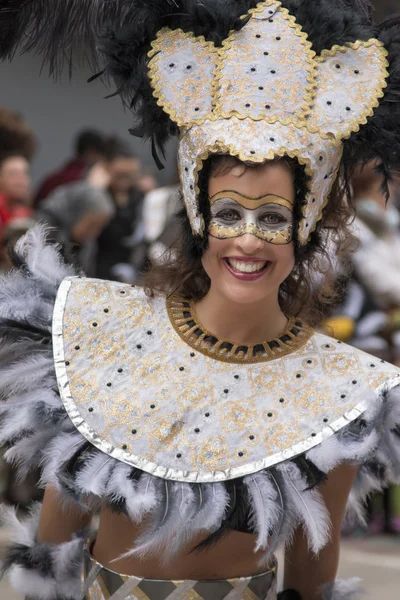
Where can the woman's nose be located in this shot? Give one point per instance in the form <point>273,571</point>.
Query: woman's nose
<point>249,243</point>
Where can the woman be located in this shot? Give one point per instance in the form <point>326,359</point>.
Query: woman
<point>121,253</point>
<point>203,417</point>
<point>77,214</point>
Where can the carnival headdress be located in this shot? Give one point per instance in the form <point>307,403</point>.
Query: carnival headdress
<point>313,80</point>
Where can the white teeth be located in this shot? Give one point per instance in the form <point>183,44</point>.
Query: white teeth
<point>246,266</point>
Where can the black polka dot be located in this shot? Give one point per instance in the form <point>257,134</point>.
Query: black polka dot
<point>191,186</point>
<point>67,363</point>
<point>226,391</point>
<point>273,71</point>
<point>354,382</point>
<point>149,333</point>
<point>106,310</point>
<point>271,139</point>
<point>252,152</point>
<point>134,431</point>
<point>91,409</point>
<point>109,384</point>
<point>247,105</point>
<point>124,447</point>
<point>240,454</point>
<point>251,437</point>
<point>306,224</point>
<point>357,72</point>
<point>197,430</point>
<point>271,20</point>
<point>94,324</point>
<point>197,109</point>
<point>186,169</point>
<point>281,400</point>
<point>192,354</point>
<point>266,53</point>
<point>253,69</point>
<point>313,200</point>
<point>122,292</point>
<point>268,106</point>
<point>313,434</point>
<point>320,158</point>
<point>348,108</point>
<point>278,38</point>
<point>120,370</point>
<point>329,103</point>
<point>171,65</point>
<point>372,365</point>
<point>327,346</point>
<point>237,377</point>
<point>298,375</point>
<point>77,347</point>
<point>152,406</point>
<point>270,415</point>
<point>261,88</point>
<point>181,368</point>
<point>189,67</point>
<point>207,415</point>
<point>326,420</point>
<point>343,396</point>
<point>139,346</point>
<point>179,455</point>
<point>337,66</point>
<point>258,36</point>
<point>309,362</point>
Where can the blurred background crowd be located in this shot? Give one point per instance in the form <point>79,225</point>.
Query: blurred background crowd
<point>66,161</point>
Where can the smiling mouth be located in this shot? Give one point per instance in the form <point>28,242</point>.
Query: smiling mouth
<point>247,266</point>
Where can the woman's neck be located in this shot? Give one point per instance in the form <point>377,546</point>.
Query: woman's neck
<point>241,323</point>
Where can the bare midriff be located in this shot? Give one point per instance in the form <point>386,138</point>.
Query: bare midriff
<point>233,556</point>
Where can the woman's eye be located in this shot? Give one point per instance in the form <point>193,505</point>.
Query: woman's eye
<point>273,219</point>
<point>229,215</point>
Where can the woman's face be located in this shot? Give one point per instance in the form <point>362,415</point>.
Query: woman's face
<point>250,250</point>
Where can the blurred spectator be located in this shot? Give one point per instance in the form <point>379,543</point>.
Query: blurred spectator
<point>14,230</point>
<point>17,145</point>
<point>121,251</point>
<point>146,182</point>
<point>77,214</point>
<point>160,218</point>
<point>89,149</point>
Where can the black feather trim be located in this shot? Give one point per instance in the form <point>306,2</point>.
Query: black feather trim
<point>310,472</point>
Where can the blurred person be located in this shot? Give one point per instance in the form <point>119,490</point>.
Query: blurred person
<point>146,181</point>
<point>89,148</point>
<point>77,214</point>
<point>12,233</point>
<point>121,249</point>
<point>160,220</point>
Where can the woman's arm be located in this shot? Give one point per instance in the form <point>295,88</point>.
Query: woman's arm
<point>306,572</point>
<point>59,521</point>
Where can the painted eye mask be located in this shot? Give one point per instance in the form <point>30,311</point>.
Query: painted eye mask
<point>270,218</point>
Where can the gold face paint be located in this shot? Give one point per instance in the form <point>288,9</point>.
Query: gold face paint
<point>269,217</point>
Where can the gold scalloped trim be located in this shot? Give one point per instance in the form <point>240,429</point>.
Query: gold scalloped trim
<point>380,86</point>
<point>305,240</point>
<point>305,109</point>
<point>176,307</point>
<point>156,79</point>
<point>282,151</point>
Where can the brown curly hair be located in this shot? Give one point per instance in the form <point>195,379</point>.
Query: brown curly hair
<point>16,136</point>
<point>299,295</point>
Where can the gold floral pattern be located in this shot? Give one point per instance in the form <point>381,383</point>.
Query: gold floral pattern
<point>184,413</point>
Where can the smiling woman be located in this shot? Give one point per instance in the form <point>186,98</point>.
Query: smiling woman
<point>202,416</point>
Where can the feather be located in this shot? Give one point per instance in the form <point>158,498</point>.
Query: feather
<point>212,508</point>
<point>93,477</point>
<point>27,454</point>
<point>22,532</point>
<point>265,510</point>
<point>308,506</point>
<point>343,589</point>
<point>24,374</point>
<point>56,454</point>
<point>167,536</point>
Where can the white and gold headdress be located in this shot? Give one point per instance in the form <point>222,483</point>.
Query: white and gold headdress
<point>315,81</point>
<point>264,94</point>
